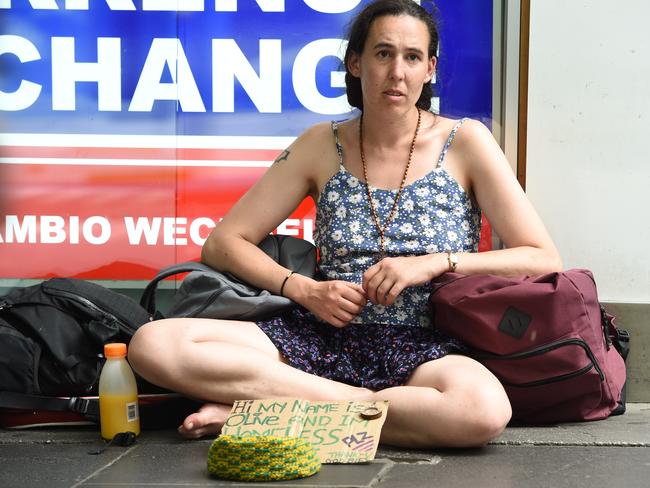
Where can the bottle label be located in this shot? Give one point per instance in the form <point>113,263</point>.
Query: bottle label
<point>132,412</point>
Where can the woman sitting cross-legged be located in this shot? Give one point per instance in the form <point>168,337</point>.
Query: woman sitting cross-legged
<point>399,193</point>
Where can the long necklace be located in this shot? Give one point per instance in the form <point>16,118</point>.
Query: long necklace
<point>373,211</point>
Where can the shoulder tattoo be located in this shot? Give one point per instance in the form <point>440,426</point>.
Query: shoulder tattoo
<point>282,157</point>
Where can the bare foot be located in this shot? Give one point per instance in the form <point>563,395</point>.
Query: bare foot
<point>207,421</point>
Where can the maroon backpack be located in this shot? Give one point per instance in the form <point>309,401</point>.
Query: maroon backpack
<point>546,338</point>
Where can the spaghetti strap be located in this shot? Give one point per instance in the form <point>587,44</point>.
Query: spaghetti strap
<point>452,134</point>
<point>339,147</point>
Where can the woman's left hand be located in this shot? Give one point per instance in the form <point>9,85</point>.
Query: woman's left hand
<point>384,281</point>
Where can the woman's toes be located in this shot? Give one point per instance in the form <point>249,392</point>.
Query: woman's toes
<point>207,421</point>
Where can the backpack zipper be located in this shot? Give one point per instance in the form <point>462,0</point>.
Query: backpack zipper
<point>544,349</point>
<point>93,306</point>
<point>548,381</point>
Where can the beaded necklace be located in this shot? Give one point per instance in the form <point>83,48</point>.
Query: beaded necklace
<point>373,211</point>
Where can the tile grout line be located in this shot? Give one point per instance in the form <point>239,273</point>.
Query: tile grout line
<point>378,478</point>
<point>96,472</point>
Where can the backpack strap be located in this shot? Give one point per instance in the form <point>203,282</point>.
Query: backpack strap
<point>89,408</point>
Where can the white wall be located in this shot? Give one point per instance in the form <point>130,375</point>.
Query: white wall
<point>588,161</point>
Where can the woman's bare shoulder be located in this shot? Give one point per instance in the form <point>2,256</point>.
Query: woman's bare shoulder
<point>319,133</point>
<point>472,133</point>
<point>439,127</point>
<point>472,141</point>
<point>308,146</point>
<point>314,154</point>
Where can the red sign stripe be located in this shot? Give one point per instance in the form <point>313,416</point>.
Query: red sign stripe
<point>139,153</point>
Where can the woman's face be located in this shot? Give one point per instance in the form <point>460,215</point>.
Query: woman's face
<point>394,64</point>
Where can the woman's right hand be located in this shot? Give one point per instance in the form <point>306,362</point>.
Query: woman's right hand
<point>336,302</point>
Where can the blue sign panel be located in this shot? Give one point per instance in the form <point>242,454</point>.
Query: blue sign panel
<point>195,67</point>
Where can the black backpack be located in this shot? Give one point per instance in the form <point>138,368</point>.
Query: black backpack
<point>52,337</point>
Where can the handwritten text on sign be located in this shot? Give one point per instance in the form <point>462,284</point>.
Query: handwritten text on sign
<point>337,430</point>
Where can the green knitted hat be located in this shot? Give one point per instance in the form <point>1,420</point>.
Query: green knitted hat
<point>262,458</point>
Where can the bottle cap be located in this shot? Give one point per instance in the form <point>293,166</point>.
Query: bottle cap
<point>115,350</point>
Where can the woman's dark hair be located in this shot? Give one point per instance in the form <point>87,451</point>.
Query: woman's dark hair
<point>358,33</point>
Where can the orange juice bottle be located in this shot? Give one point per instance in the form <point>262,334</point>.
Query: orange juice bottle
<point>118,394</point>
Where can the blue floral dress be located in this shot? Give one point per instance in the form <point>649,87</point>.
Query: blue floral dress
<point>434,214</point>
<point>382,345</point>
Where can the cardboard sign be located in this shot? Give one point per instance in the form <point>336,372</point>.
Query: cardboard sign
<point>341,432</point>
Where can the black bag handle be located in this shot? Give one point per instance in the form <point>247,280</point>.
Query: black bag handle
<point>148,299</point>
<point>295,253</point>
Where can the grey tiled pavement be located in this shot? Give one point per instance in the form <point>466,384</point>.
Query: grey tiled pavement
<point>611,453</point>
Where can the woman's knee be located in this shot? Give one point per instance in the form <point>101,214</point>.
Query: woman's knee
<point>488,406</point>
<point>472,418</point>
<point>488,414</point>
<point>148,346</point>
